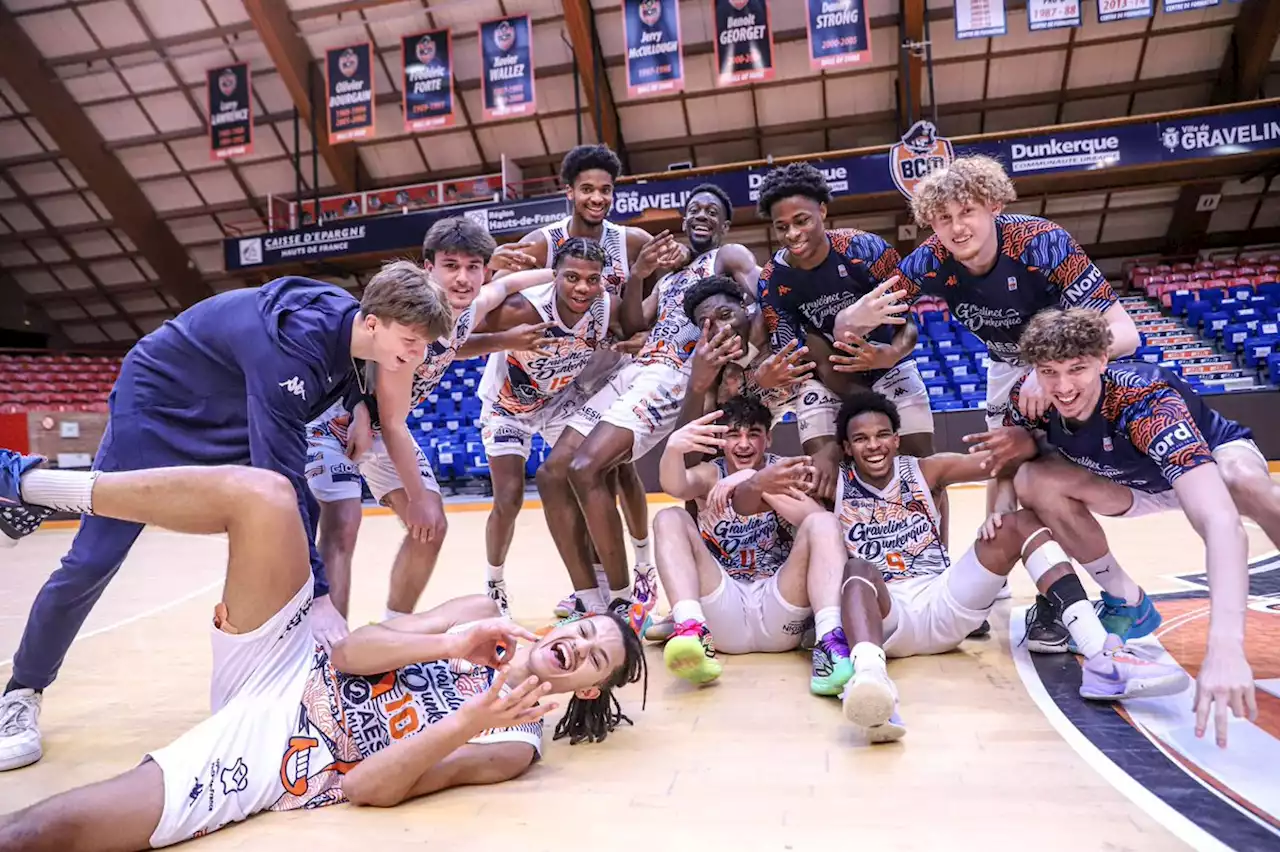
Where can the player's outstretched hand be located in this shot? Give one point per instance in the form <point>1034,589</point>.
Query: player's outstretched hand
<point>994,521</point>
<point>1033,400</point>
<point>633,344</point>
<point>721,493</point>
<point>826,468</point>
<point>491,709</point>
<point>882,306</point>
<point>861,356</point>
<point>1004,447</point>
<point>787,476</point>
<point>660,252</point>
<point>699,436</point>
<point>327,624</point>
<point>1223,687</point>
<point>713,351</point>
<point>531,337</point>
<point>785,367</point>
<point>513,257</point>
<point>490,642</point>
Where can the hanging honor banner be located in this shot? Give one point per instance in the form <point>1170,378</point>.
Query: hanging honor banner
<point>428,80</point>
<point>348,73</point>
<point>1120,10</point>
<point>839,33</point>
<point>506,67</point>
<point>744,41</point>
<point>980,19</point>
<point>230,111</point>
<point>1187,5</point>
<point>1052,14</point>
<point>655,63</point>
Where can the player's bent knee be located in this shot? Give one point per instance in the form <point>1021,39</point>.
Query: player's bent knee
<point>819,525</point>
<point>584,471</point>
<point>856,567</point>
<point>267,491</point>
<point>671,521</point>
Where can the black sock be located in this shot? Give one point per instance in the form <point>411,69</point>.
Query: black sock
<point>15,684</point>
<point>1066,591</point>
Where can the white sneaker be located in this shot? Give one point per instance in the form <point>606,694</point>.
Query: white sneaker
<point>869,697</point>
<point>497,591</point>
<point>19,729</point>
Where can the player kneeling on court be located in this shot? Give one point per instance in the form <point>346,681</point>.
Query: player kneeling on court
<point>408,707</point>
<point>759,559</point>
<point>902,596</point>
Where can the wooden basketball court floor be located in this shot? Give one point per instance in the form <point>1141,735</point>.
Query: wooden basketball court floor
<point>754,762</point>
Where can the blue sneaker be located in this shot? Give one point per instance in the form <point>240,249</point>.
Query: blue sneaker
<point>1127,622</point>
<point>17,519</point>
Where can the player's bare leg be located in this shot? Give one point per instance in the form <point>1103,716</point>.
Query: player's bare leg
<point>606,447</point>
<point>338,529</point>
<point>689,574</point>
<point>507,475</point>
<point>1256,494</point>
<point>565,520</point>
<point>415,560</point>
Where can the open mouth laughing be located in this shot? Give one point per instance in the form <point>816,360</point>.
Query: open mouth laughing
<point>560,655</point>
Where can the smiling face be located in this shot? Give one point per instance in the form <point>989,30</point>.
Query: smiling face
<point>592,196</point>
<point>798,222</point>
<point>461,275</point>
<point>579,282</point>
<point>745,446</point>
<point>395,346</point>
<point>578,655</point>
<point>872,445</point>
<point>968,230</point>
<point>705,223</point>
<point>1073,385</point>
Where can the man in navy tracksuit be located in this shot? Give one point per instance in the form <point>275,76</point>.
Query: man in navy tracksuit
<point>232,380</point>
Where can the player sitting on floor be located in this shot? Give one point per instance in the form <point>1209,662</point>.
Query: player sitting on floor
<point>1133,439</point>
<point>760,558</point>
<point>415,705</point>
<point>902,595</point>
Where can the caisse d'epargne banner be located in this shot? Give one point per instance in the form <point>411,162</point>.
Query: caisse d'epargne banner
<point>1053,14</point>
<point>348,78</point>
<point>980,19</point>
<point>230,111</point>
<point>839,33</point>
<point>428,80</point>
<point>506,67</point>
<point>744,42</point>
<point>655,60</point>
<point>1120,10</point>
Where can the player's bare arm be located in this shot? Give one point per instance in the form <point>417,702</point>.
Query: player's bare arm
<point>737,262</point>
<point>530,252</point>
<point>393,392</point>
<point>638,311</point>
<point>701,436</point>
<point>791,476</point>
<point>1124,333</point>
<point>492,295</point>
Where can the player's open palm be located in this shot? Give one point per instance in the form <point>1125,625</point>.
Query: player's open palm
<point>714,350</point>
<point>490,642</point>
<point>513,257</point>
<point>785,367</point>
<point>492,709</point>
<point>882,306</point>
<point>721,493</point>
<point>532,337</point>
<point>699,436</point>
<point>659,253</point>
<point>1224,687</point>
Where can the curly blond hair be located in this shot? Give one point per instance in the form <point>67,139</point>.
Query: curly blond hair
<point>969,179</point>
<point>1055,334</point>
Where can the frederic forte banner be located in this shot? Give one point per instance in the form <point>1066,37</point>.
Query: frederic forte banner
<point>349,88</point>
<point>428,80</point>
<point>506,67</point>
<point>230,111</point>
<point>655,61</point>
<point>744,41</point>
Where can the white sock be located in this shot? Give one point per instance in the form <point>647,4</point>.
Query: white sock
<point>825,620</point>
<point>641,546</point>
<point>1108,574</point>
<point>62,490</point>
<point>687,611</point>
<point>865,656</point>
<point>494,573</point>
<point>593,599</point>
<point>1082,623</point>
<point>391,613</point>
<point>602,579</point>
<point>624,593</point>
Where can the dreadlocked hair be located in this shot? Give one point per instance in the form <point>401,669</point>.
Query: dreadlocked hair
<point>593,719</point>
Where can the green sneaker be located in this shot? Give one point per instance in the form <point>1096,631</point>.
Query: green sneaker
<point>691,654</point>
<point>832,667</point>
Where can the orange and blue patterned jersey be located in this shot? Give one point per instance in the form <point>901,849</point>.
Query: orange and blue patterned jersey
<point>794,300</point>
<point>673,337</point>
<point>1149,428</point>
<point>747,547</point>
<point>895,528</point>
<point>1039,266</point>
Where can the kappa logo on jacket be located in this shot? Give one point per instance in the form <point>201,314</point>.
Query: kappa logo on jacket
<point>295,386</point>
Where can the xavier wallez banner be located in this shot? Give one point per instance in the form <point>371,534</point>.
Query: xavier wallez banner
<point>506,67</point>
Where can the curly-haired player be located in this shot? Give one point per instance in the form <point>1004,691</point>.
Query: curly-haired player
<point>1134,439</point>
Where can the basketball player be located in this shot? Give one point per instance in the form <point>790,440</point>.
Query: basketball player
<point>589,172</point>
<point>902,595</point>
<point>533,391</point>
<point>367,442</point>
<point>401,709</point>
<point>804,287</point>
<point>1133,439</point>
<point>637,407</point>
<point>232,380</point>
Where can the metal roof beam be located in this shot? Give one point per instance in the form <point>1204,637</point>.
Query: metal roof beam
<point>591,67</point>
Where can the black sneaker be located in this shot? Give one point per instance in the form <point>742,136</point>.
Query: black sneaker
<point>982,631</point>
<point>17,519</point>
<point>1046,634</point>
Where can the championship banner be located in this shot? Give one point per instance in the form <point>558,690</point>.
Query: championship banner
<point>1123,10</point>
<point>506,67</point>
<point>1053,14</point>
<point>230,111</point>
<point>744,41</point>
<point>839,33</point>
<point>348,85</point>
<point>981,19</point>
<point>427,59</point>
<point>655,60</point>
<point>1187,5</point>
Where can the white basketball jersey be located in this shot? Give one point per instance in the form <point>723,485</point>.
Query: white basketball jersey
<point>897,528</point>
<point>440,354</point>
<point>748,547</point>
<point>673,337</point>
<point>519,383</point>
<point>614,242</point>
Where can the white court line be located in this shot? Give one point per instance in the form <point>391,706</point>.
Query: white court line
<point>155,610</point>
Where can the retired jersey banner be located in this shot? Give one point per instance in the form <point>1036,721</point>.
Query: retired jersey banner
<point>348,73</point>
<point>839,33</point>
<point>1187,5</point>
<point>655,61</point>
<point>428,80</point>
<point>744,41</point>
<point>1120,10</point>
<point>1053,14</point>
<point>980,19</point>
<point>230,111</point>
<point>506,67</point>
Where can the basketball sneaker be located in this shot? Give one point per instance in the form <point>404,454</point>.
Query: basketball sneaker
<point>644,588</point>
<point>1045,634</point>
<point>832,667</point>
<point>19,729</point>
<point>17,519</point>
<point>870,697</point>
<point>691,654</point>
<point>497,591</point>
<point>1121,619</point>
<point>890,732</point>
<point>633,613</point>
<point>1117,673</point>
<point>567,606</point>
<point>661,628</point>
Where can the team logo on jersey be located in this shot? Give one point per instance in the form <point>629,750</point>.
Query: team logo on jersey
<point>1207,796</point>
<point>920,151</point>
<point>1013,283</point>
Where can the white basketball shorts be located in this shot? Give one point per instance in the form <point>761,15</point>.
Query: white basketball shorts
<point>333,477</point>
<point>749,618</point>
<point>644,399</point>
<point>935,614</point>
